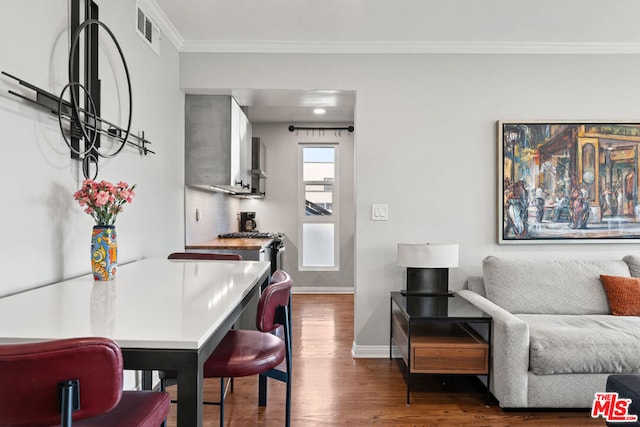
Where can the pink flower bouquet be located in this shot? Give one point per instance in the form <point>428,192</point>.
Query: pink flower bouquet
<point>103,200</point>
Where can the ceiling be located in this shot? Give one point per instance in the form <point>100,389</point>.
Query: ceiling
<point>383,26</point>
<point>309,22</point>
<point>294,106</point>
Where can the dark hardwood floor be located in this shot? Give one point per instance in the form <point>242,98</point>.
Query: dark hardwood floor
<point>330,388</point>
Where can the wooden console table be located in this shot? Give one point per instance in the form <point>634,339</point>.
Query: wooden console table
<point>434,336</point>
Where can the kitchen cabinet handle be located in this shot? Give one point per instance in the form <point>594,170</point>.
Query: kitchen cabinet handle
<point>242,185</point>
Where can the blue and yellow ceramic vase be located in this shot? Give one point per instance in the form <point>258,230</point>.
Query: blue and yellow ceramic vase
<point>104,252</point>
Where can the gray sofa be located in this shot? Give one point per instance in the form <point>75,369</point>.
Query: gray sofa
<point>554,341</point>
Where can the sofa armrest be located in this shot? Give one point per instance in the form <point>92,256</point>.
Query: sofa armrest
<point>509,352</point>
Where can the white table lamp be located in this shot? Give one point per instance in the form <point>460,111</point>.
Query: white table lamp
<point>427,267</point>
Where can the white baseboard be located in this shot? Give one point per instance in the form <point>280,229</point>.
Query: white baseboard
<point>322,290</point>
<point>373,351</point>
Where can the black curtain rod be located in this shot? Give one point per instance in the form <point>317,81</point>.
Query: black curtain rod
<point>294,128</point>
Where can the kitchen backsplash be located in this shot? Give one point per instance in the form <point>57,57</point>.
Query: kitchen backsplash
<point>218,214</point>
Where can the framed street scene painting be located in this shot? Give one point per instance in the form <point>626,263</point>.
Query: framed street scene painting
<point>568,182</point>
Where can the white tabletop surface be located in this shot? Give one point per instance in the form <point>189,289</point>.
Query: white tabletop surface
<point>153,303</point>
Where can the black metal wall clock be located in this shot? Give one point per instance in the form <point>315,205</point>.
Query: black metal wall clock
<point>79,115</point>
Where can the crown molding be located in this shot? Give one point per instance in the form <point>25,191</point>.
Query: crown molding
<point>357,47</point>
<point>167,28</point>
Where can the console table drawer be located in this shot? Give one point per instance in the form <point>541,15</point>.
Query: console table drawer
<point>450,360</point>
<point>448,348</point>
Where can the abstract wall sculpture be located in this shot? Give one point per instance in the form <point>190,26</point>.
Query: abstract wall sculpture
<point>79,114</point>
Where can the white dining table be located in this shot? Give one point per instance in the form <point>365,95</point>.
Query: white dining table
<point>164,314</point>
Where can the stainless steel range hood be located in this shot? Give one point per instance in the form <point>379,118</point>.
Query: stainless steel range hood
<point>258,167</point>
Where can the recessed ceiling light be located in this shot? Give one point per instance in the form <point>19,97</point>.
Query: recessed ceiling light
<point>319,111</point>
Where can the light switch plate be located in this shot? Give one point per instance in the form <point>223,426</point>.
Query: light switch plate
<point>379,212</point>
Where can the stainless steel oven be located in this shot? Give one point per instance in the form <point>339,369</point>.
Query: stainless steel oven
<point>277,253</point>
<point>274,253</point>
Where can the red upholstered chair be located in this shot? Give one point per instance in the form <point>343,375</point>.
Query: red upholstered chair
<point>78,379</point>
<point>204,256</point>
<point>251,352</point>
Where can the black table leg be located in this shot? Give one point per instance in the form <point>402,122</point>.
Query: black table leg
<point>190,394</point>
<point>489,327</point>
<point>262,390</point>
<point>409,363</point>
<point>147,380</point>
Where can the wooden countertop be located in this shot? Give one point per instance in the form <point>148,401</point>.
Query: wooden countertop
<point>234,243</point>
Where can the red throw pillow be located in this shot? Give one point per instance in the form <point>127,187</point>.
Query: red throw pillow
<point>623,294</point>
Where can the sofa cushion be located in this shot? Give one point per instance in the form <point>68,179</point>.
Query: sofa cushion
<point>476,284</point>
<point>570,344</point>
<point>623,294</point>
<point>549,287</point>
<point>633,261</point>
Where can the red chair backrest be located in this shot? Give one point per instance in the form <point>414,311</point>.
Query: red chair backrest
<point>30,373</point>
<point>275,295</point>
<point>204,256</point>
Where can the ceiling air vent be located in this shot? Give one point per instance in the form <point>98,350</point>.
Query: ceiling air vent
<point>147,29</point>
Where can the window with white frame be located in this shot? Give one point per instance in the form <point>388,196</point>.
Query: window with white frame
<point>318,207</point>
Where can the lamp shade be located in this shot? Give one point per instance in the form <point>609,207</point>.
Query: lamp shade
<point>427,255</point>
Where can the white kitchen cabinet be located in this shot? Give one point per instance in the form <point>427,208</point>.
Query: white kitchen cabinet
<point>241,175</point>
<point>217,144</point>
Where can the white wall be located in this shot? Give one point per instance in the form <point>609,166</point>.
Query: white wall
<point>278,211</point>
<point>46,235</point>
<point>426,145</point>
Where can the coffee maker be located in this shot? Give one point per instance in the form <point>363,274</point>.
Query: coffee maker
<point>248,221</point>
